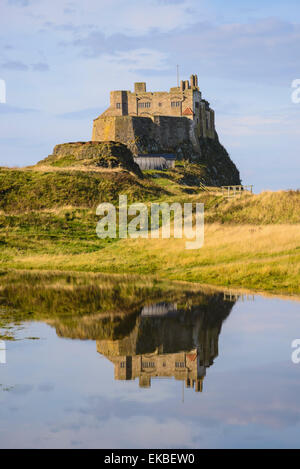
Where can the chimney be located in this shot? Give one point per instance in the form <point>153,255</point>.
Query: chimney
<point>140,87</point>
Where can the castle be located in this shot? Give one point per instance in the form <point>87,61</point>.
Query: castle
<point>180,346</point>
<point>144,130</point>
<point>144,341</point>
<point>154,123</point>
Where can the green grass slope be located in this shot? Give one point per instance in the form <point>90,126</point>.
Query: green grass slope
<point>48,221</point>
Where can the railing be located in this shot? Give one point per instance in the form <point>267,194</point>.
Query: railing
<point>233,296</point>
<point>233,191</point>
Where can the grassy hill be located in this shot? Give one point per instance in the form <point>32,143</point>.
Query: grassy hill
<point>261,209</point>
<point>48,221</point>
<point>38,189</point>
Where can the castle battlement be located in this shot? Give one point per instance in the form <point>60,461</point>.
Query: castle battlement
<point>184,101</point>
<point>165,119</point>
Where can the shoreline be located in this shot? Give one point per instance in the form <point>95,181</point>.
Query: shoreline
<point>206,287</point>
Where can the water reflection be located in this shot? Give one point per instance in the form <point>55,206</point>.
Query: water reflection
<point>175,337</point>
<point>169,341</point>
<point>59,392</point>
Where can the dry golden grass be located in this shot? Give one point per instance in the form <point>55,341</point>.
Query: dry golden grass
<point>266,207</point>
<point>91,169</point>
<point>254,257</point>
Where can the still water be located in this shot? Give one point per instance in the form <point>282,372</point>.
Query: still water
<point>118,364</point>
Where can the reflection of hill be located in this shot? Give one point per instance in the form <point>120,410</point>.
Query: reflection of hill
<point>168,341</point>
<point>146,328</point>
<point>59,295</point>
<point>88,306</point>
<point>96,326</point>
<point>75,302</point>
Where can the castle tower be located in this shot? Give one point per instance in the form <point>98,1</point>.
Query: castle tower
<point>164,119</point>
<point>119,103</point>
<point>140,87</point>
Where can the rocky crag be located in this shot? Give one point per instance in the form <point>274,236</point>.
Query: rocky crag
<point>89,155</point>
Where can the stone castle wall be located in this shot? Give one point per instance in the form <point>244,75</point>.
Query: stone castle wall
<point>184,101</point>
<point>144,134</point>
<point>171,350</point>
<point>180,122</point>
<point>160,119</point>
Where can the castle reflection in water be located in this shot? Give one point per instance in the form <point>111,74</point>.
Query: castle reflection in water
<point>169,341</point>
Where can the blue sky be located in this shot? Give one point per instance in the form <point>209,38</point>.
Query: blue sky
<point>60,59</point>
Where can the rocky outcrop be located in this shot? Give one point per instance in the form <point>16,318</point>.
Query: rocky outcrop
<point>220,169</point>
<point>175,135</point>
<point>109,155</point>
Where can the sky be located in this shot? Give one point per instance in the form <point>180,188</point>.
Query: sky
<point>60,59</point>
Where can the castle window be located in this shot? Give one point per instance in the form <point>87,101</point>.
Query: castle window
<point>148,364</point>
<point>122,365</point>
<point>179,364</point>
<point>118,105</point>
<point>175,103</point>
<point>159,104</point>
<point>143,105</point>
